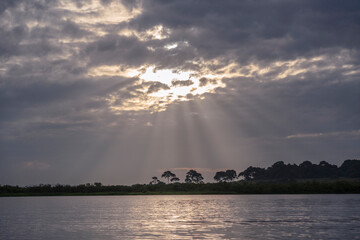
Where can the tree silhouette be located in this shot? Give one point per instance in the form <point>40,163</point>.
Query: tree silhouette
<point>305,170</point>
<point>154,181</point>
<point>280,170</point>
<point>174,179</point>
<point>97,184</point>
<point>278,178</point>
<point>193,176</point>
<point>230,175</point>
<point>168,175</point>
<point>222,176</point>
<point>253,173</point>
<point>350,168</point>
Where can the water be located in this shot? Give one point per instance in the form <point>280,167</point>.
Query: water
<point>181,217</point>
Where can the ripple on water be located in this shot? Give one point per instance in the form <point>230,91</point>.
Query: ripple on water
<point>181,217</point>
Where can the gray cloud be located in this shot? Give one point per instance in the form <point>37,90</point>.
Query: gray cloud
<point>117,50</point>
<point>156,86</point>
<point>248,31</point>
<point>205,81</point>
<point>6,4</point>
<point>291,70</point>
<point>182,82</point>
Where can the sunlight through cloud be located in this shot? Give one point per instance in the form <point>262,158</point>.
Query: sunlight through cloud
<point>155,88</point>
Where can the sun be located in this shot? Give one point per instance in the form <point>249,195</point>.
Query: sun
<point>154,89</point>
<point>165,75</point>
<point>181,85</point>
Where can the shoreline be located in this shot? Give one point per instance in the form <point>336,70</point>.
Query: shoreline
<point>348,186</point>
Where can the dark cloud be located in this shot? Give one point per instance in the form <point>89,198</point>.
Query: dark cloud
<point>256,30</point>
<point>156,86</point>
<point>72,29</point>
<point>182,83</point>
<point>205,81</point>
<point>9,42</point>
<point>113,49</point>
<point>8,4</point>
<point>291,70</point>
<point>131,4</point>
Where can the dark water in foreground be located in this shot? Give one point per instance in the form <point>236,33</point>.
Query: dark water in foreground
<point>181,217</point>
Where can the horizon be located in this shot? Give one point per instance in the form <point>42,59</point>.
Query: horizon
<point>207,174</point>
<point>118,91</point>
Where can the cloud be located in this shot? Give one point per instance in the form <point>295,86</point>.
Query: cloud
<point>226,82</point>
<point>328,134</point>
<point>182,83</point>
<point>260,31</point>
<point>205,81</point>
<point>156,86</point>
<point>36,165</point>
<point>201,170</point>
<point>6,4</point>
<point>114,49</point>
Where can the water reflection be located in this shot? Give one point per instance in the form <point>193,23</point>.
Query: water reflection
<point>200,219</point>
<point>181,217</point>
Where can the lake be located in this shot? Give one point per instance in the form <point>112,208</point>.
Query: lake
<point>181,217</point>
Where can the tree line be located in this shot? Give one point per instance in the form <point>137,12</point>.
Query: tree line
<point>278,178</point>
<point>278,171</point>
<point>238,187</point>
<point>305,170</point>
<point>192,176</point>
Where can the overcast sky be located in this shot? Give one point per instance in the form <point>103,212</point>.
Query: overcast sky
<point>119,91</point>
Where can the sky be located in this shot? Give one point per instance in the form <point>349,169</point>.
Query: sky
<point>120,91</point>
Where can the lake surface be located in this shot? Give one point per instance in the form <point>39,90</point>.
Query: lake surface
<point>181,217</point>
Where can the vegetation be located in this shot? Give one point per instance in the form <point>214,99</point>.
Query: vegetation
<point>193,176</point>
<point>306,178</point>
<point>155,180</point>
<point>306,170</point>
<point>227,176</point>
<point>168,175</point>
<point>175,179</point>
<point>240,187</point>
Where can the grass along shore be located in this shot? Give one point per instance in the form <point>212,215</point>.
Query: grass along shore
<point>322,186</point>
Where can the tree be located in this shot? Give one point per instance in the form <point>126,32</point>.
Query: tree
<point>280,170</point>
<point>174,179</point>
<point>350,168</point>
<point>307,169</point>
<point>168,175</point>
<point>253,173</point>
<point>326,170</point>
<point>154,181</point>
<point>222,176</point>
<point>230,175</point>
<point>193,176</point>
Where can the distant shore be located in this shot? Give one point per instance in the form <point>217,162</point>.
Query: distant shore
<point>319,186</point>
<point>115,194</point>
